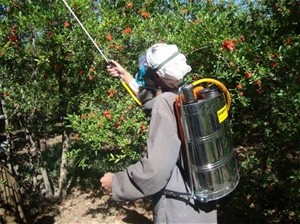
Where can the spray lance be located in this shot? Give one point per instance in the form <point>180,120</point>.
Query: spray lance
<point>100,51</point>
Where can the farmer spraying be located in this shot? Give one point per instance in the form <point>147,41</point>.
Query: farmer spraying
<point>190,160</point>
<point>160,71</point>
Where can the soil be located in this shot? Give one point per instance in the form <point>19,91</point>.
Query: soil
<point>96,208</point>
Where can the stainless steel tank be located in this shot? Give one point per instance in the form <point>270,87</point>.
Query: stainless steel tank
<point>209,150</point>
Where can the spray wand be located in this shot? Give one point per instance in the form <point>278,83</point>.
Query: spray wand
<point>101,53</point>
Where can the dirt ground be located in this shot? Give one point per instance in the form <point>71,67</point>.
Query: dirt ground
<point>94,208</point>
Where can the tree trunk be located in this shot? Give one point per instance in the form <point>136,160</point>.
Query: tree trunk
<point>48,190</point>
<point>37,149</point>
<point>62,190</point>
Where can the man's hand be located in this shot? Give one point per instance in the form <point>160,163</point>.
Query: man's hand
<point>106,182</point>
<point>115,69</point>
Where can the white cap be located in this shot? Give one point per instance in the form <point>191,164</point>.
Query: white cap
<point>171,64</point>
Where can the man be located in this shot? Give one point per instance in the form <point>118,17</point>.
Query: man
<point>161,70</point>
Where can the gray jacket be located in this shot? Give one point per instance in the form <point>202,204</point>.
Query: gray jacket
<point>159,170</point>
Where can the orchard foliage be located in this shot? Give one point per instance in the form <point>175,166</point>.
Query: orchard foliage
<point>53,79</point>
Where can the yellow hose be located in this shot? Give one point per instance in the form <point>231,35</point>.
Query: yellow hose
<point>131,93</point>
<point>219,84</point>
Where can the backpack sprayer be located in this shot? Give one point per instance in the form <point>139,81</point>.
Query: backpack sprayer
<point>208,155</point>
<point>100,51</point>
